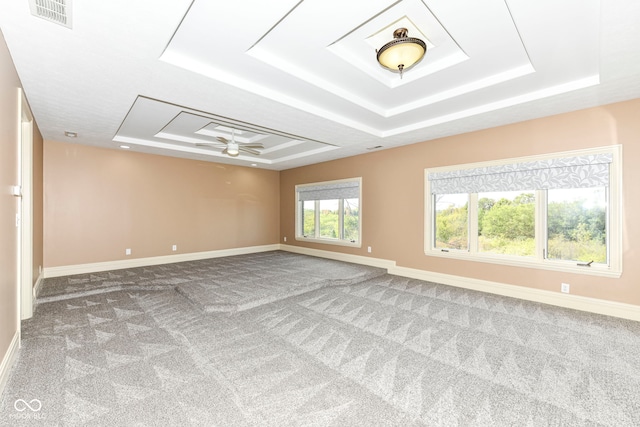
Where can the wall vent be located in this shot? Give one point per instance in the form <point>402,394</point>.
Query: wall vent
<point>58,11</point>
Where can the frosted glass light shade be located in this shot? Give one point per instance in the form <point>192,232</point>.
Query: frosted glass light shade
<point>232,149</point>
<point>402,52</point>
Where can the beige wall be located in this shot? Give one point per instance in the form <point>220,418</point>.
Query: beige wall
<point>9,84</point>
<point>98,202</point>
<point>393,199</point>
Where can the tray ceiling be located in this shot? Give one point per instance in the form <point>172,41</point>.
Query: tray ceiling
<point>302,76</point>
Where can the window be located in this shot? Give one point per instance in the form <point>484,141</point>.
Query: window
<point>452,221</point>
<point>559,212</point>
<point>329,212</point>
<point>506,222</point>
<point>577,224</point>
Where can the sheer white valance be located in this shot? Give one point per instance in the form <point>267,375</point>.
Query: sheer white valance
<point>330,191</point>
<point>564,172</point>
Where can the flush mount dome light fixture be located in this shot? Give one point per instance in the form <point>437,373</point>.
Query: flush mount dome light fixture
<point>402,52</point>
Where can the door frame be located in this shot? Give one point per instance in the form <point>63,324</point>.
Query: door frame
<point>25,166</point>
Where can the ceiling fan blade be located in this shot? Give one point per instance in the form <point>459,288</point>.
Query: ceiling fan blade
<point>224,151</point>
<point>251,145</point>
<point>206,144</point>
<point>249,150</point>
<point>223,140</point>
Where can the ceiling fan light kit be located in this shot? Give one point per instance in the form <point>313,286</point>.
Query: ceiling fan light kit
<point>402,52</point>
<point>233,148</point>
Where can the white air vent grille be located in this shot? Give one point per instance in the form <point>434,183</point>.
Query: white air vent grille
<point>58,11</point>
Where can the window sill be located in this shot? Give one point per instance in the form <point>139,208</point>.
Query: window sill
<point>562,266</point>
<point>329,242</point>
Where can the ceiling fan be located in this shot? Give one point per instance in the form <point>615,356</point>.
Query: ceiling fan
<point>233,148</point>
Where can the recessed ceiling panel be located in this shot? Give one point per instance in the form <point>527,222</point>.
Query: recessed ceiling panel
<point>152,125</point>
<point>293,75</point>
<point>320,56</point>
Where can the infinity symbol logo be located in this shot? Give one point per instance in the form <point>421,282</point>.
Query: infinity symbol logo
<point>21,405</point>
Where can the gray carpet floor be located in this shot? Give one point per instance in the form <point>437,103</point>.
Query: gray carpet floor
<point>280,339</point>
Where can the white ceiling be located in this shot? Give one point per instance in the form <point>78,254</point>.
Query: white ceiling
<point>302,77</point>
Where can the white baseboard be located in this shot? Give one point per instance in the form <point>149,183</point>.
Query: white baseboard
<point>37,286</point>
<point>69,270</point>
<point>356,259</point>
<point>576,302</point>
<point>8,360</point>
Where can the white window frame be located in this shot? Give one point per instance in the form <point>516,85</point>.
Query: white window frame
<point>539,261</point>
<point>326,240</point>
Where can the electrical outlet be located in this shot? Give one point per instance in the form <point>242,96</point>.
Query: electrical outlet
<point>174,248</point>
<point>285,238</point>
<point>565,287</point>
<point>369,249</point>
<point>127,251</point>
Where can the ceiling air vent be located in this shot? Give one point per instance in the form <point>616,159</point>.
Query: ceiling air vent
<point>58,11</point>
